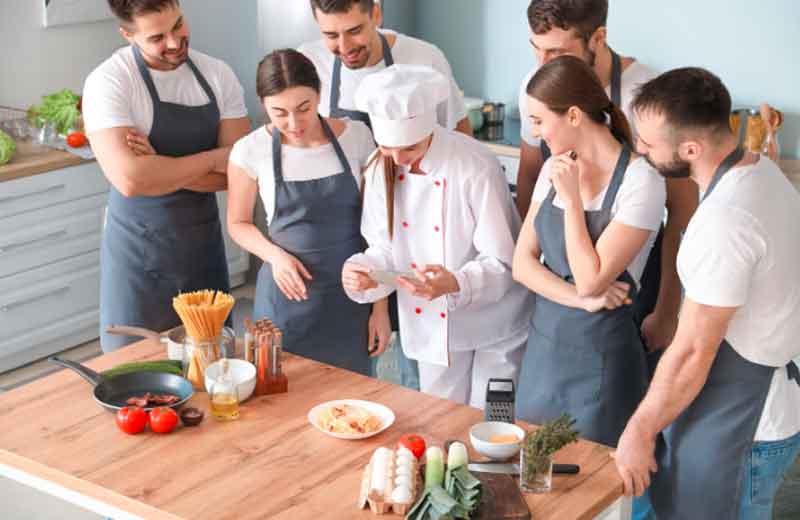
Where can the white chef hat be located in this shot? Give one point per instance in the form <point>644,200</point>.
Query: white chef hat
<point>401,101</point>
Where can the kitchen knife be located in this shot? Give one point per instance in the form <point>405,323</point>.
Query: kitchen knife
<point>510,468</point>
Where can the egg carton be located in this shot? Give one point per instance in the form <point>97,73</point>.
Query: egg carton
<point>382,503</point>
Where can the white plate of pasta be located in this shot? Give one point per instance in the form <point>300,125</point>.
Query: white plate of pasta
<point>350,418</point>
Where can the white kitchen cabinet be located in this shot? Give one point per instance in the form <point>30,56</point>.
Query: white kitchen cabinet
<point>50,234</point>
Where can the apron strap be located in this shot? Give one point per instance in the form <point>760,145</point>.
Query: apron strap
<point>792,372</point>
<point>212,98</point>
<point>277,162</point>
<point>729,162</point>
<point>336,147</point>
<point>336,78</point>
<point>617,177</point>
<point>145,72</point>
<point>616,79</point>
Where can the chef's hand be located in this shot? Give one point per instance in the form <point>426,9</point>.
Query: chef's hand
<point>635,459</point>
<point>565,177</point>
<point>431,282</point>
<point>139,143</point>
<point>380,329</point>
<point>658,331</point>
<point>355,277</point>
<point>615,296</point>
<point>288,273</point>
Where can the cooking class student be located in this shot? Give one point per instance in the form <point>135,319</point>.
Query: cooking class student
<point>595,208</point>
<point>578,28</point>
<point>352,47</point>
<point>726,394</point>
<point>307,170</point>
<point>161,118</point>
<point>440,228</point>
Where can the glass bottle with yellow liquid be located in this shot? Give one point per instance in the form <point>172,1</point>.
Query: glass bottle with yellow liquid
<point>224,395</point>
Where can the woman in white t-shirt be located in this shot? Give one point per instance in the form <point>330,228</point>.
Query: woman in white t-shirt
<point>307,170</point>
<point>595,211</point>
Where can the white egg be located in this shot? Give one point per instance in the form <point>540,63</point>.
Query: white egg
<point>402,450</point>
<point>401,495</point>
<point>403,481</point>
<point>403,470</point>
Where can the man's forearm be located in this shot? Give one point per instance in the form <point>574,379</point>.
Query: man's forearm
<point>209,183</point>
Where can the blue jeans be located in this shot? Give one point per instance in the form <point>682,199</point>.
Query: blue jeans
<point>764,469</point>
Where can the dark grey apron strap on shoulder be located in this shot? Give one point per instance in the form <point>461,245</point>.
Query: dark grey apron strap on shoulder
<point>277,162</point>
<point>336,84</point>
<point>729,162</point>
<point>212,98</point>
<point>616,178</point>
<point>148,79</point>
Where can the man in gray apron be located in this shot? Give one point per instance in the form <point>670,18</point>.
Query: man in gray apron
<point>591,365</point>
<point>163,234</point>
<point>319,222</point>
<point>726,394</point>
<point>578,28</point>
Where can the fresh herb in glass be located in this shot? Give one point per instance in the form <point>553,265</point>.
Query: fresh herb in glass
<point>538,447</point>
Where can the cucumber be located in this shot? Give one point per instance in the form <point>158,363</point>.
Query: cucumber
<point>168,366</point>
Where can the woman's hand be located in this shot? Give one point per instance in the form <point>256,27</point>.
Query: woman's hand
<point>615,296</point>
<point>355,277</point>
<point>289,273</point>
<point>431,282</point>
<point>380,329</point>
<point>139,143</point>
<point>565,177</point>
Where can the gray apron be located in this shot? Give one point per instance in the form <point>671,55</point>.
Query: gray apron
<point>703,454</point>
<point>589,364</point>
<point>616,95</point>
<point>318,221</point>
<point>336,83</point>
<point>155,247</point>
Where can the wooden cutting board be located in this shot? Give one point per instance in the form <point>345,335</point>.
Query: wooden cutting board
<point>501,498</point>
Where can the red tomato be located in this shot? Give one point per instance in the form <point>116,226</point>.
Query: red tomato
<point>131,419</point>
<point>76,139</point>
<point>413,443</point>
<point>163,419</point>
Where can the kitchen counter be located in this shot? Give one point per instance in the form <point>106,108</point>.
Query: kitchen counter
<point>271,463</point>
<point>32,159</point>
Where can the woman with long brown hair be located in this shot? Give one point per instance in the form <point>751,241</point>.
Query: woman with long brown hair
<point>595,212</point>
<point>307,170</point>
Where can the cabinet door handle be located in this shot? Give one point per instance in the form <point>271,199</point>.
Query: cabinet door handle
<point>50,236</point>
<point>55,187</point>
<point>33,299</point>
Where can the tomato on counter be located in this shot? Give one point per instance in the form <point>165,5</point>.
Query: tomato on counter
<point>131,419</point>
<point>414,443</point>
<point>163,419</point>
<point>76,139</point>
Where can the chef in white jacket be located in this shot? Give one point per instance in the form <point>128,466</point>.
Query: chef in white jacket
<point>440,226</point>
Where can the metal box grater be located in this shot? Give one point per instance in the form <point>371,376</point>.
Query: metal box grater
<point>499,400</point>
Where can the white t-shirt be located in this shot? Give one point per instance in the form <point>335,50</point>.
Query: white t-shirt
<point>632,77</point>
<point>741,249</point>
<point>115,94</point>
<point>406,50</point>
<point>253,154</point>
<point>639,203</point>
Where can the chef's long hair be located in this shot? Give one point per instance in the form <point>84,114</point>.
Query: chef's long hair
<point>567,82</point>
<point>389,173</point>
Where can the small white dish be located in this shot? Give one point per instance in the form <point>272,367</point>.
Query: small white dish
<point>243,374</point>
<point>481,433</point>
<point>383,413</point>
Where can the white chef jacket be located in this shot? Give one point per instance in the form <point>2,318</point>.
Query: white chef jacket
<point>460,215</point>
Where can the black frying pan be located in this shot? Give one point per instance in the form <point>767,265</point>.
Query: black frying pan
<point>113,393</point>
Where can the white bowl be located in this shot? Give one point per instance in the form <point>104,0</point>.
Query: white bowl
<point>480,434</point>
<point>243,374</point>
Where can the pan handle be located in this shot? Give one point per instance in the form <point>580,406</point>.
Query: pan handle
<point>122,330</point>
<point>85,372</point>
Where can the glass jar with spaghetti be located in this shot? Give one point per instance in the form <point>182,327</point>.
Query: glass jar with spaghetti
<point>198,354</point>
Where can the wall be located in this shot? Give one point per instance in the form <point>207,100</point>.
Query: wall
<point>752,47</point>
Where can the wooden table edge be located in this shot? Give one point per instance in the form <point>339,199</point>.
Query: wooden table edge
<point>77,491</point>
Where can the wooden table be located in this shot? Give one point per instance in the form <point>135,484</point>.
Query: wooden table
<point>271,463</point>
